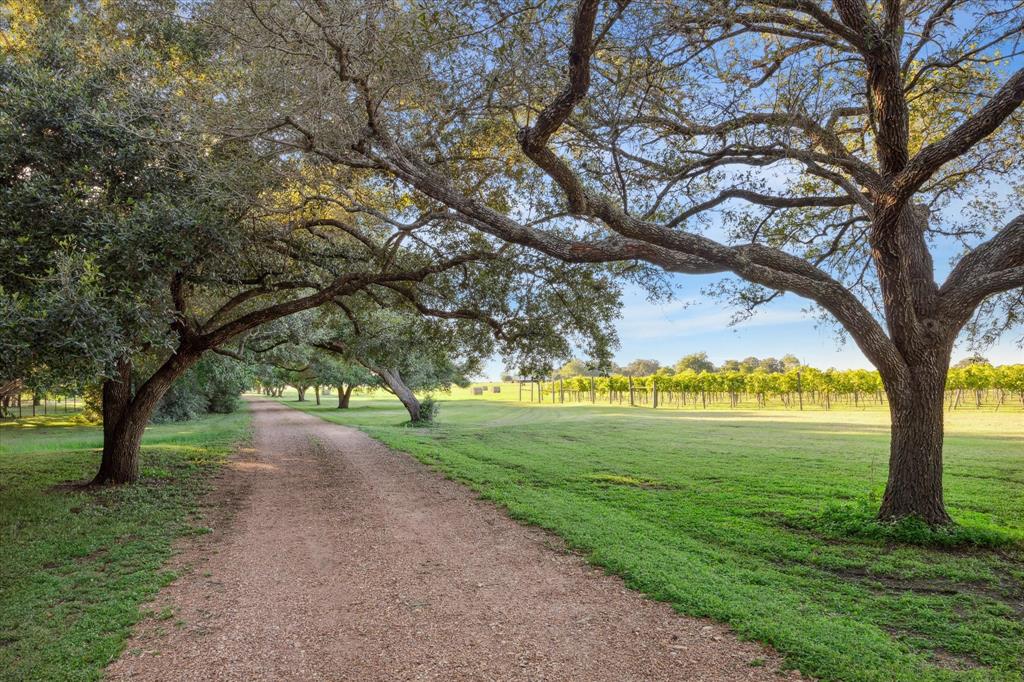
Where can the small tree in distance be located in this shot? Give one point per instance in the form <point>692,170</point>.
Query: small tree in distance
<point>698,362</point>
<point>641,367</point>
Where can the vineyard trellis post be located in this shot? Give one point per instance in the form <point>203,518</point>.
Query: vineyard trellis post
<point>631,400</point>
<point>799,390</point>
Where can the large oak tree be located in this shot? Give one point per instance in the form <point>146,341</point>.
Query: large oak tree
<point>830,150</point>
<point>134,241</point>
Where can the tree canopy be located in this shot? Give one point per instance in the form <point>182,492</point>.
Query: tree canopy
<point>451,179</point>
<point>822,149</point>
<point>142,233</point>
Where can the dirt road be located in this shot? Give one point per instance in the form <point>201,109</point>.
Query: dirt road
<point>343,560</point>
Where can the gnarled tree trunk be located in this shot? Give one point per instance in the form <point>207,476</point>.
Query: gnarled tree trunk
<point>120,463</point>
<point>394,381</point>
<point>125,416</point>
<point>914,487</point>
<point>116,393</point>
<point>302,393</point>
<point>344,395</point>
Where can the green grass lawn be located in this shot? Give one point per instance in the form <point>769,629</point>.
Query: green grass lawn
<point>761,519</point>
<point>76,565</point>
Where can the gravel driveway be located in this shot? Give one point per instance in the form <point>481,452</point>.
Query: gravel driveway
<point>335,558</point>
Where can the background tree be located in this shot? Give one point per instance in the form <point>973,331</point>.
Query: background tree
<point>214,384</point>
<point>577,367</point>
<point>525,310</point>
<point>789,361</point>
<point>641,367</point>
<point>976,359</point>
<point>842,140</point>
<point>698,362</point>
<point>344,375</point>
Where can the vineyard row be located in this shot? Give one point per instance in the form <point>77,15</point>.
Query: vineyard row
<point>971,386</point>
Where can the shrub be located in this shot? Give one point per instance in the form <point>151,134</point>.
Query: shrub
<point>213,385</point>
<point>428,411</point>
<point>183,401</point>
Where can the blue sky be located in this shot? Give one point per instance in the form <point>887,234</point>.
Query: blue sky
<point>694,322</point>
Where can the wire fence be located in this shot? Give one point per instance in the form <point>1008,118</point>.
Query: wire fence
<point>21,406</point>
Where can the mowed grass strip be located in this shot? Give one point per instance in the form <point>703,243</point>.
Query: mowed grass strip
<point>75,565</point>
<point>755,519</point>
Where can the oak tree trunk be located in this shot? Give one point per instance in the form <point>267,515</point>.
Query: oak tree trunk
<point>394,381</point>
<point>914,487</point>
<point>116,393</point>
<point>344,394</point>
<point>125,416</point>
<point>120,462</point>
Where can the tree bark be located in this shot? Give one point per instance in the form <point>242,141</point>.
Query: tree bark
<point>394,381</point>
<point>116,393</point>
<point>120,462</point>
<point>302,393</point>
<point>344,394</point>
<point>914,487</point>
<point>125,416</point>
<point>316,392</point>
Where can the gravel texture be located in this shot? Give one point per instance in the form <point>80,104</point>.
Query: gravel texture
<point>335,558</point>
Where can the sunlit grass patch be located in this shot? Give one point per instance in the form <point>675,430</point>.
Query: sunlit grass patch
<point>618,479</point>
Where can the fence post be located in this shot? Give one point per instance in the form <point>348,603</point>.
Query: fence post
<point>654,388</point>
<point>593,392</point>
<point>800,390</point>
<point>561,390</point>
<point>631,400</point>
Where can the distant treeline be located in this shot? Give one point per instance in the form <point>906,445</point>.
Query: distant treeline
<point>973,384</point>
